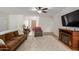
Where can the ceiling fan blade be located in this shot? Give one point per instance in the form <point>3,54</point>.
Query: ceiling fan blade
<point>36,7</point>
<point>44,8</point>
<point>44,11</point>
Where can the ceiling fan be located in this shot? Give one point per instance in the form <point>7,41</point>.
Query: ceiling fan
<point>41,9</point>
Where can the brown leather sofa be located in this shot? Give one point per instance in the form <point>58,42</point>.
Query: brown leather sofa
<point>12,41</point>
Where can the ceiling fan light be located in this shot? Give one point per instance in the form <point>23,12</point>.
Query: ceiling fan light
<point>39,11</point>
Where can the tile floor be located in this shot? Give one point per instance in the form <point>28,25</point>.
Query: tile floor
<point>45,43</point>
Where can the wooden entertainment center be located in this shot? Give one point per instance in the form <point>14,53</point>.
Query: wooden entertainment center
<point>70,38</point>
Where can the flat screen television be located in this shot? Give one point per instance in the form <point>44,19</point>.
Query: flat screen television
<point>71,19</point>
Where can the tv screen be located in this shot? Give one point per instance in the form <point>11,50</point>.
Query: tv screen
<point>71,19</point>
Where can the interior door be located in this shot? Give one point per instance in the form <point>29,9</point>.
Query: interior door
<point>33,24</point>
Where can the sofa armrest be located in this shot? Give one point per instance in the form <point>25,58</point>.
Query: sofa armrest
<point>4,48</point>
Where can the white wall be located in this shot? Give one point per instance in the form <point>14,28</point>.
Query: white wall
<point>57,19</point>
<point>16,21</point>
<point>46,23</point>
<point>3,22</point>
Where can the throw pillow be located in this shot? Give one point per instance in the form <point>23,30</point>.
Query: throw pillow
<point>20,31</point>
<point>2,42</point>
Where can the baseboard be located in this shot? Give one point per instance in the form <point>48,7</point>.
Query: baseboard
<point>47,33</point>
<point>55,35</point>
<point>50,33</point>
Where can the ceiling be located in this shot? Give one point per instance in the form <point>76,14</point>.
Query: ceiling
<point>27,10</point>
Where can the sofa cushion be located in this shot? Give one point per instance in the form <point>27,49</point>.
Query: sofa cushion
<point>12,43</point>
<point>8,37</point>
<point>15,33</point>
<point>19,37</point>
<point>15,41</point>
<point>2,37</point>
